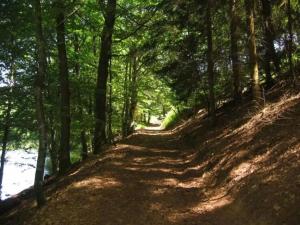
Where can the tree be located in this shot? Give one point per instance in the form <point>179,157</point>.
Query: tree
<point>126,98</point>
<point>84,147</point>
<point>253,61</point>
<point>105,54</point>
<point>39,95</point>
<point>290,41</point>
<point>7,123</point>
<point>64,148</point>
<point>269,33</point>
<point>234,36</point>
<point>133,92</point>
<point>210,63</point>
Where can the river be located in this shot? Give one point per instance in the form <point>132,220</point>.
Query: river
<point>19,172</point>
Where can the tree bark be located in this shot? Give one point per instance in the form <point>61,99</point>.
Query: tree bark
<point>126,99</point>
<point>234,36</point>
<point>133,95</point>
<point>83,139</point>
<point>110,107</point>
<point>7,118</point>
<point>39,98</point>
<point>253,61</point>
<point>290,42</point>
<point>210,63</point>
<point>53,150</point>
<point>269,37</point>
<point>105,54</point>
<point>64,148</point>
<point>6,130</point>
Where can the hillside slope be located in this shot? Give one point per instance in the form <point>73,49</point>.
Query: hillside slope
<point>244,171</point>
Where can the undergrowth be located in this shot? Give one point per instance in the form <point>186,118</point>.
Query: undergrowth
<point>172,118</point>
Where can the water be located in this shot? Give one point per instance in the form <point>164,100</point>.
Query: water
<point>19,172</point>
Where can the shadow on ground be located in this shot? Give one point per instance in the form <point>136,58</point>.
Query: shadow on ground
<point>243,172</point>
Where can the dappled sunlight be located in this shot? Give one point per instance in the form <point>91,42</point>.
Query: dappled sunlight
<point>192,183</point>
<point>242,171</point>
<point>149,170</point>
<point>268,115</point>
<point>204,207</point>
<point>155,177</point>
<point>216,202</point>
<point>172,182</point>
<point>97,182</point>
<point>159,191</point>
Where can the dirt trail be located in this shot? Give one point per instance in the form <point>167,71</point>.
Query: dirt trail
<point>245,171</point>
<point>138,183</point>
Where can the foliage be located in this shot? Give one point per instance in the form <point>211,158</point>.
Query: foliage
<point>172,118</point>
<point>166,38</point>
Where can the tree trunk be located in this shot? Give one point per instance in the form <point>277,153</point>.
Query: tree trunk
<point>234,36</point>
<point>269,36</point>
<point>110,109</point>
<point>105,54</point>
<point>210,63</point>
<point>6,130</point>
<point>64,148</point>
<point>133,96</point>
<point>149,117</point>
<point>7,119</point>
<point>125,99</point>
<point>83,140</point>
<point>39,89</point>
<point>290,42</point>
<point>253,61</point>
<point>53,150</point>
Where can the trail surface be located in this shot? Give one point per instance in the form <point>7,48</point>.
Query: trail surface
<point>245,171</point>
<point>137,183</point>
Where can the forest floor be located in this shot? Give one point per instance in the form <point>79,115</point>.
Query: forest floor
<point>244,171</point>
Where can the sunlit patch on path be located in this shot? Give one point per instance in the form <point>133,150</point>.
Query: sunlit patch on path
<point>233,175</point>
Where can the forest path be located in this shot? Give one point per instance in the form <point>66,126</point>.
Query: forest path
<point>245,171</point>
<point>138,182</point>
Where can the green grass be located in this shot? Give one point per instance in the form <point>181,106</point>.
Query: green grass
<point>171,119</point>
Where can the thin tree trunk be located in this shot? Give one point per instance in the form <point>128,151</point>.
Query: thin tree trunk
<point>290,42</point>
<point>210,63</point>
<point>83,139</point>
<point>6,130</point>
<point>125,103</point>
<point>253,61</point>
<point>64,148</point>
<point>133,96</point>
<point>53,150</point>
<point>270,53</point>
<point>234,36</point>
<point>39,89</point>
<point>110,109</point>
<point>127,99</point>
<point>105,54</point>
<point>7,120</point>
<point>149,117</point>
